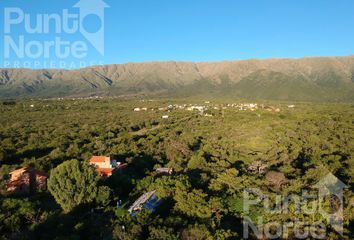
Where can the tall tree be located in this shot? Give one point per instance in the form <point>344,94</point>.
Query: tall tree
<point>73,183</point>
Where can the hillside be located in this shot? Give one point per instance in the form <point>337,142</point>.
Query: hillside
<point>306,79</point>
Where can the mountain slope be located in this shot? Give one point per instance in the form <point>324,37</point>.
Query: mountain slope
<point>308,79</point>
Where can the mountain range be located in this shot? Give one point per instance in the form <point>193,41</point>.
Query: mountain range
<point>329,79</point>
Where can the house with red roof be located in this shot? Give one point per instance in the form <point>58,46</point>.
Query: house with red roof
<point>105,166</point>
<point>26,180</point>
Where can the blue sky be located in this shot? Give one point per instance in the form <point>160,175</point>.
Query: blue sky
<point>203,30</point>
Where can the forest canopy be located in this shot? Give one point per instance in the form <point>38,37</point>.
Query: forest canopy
<point>215,154</point>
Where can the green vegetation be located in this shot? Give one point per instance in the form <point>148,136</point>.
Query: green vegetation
<point>73,183</point>
<point>211,157</point>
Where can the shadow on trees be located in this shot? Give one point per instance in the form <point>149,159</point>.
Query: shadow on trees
<point>81,223</point>
<point>195,178</point>
<point>124,180</point>
<point>229,222</point>
<point>302,162</point>
<point>16,158</point>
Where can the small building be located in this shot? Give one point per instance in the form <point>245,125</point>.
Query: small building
<point>257,167</point>
<point>165,117</point>
<point>137,109</point>
<point>105,166</point>
<point>201,109</point>
<point>26,180</point>
<point>148,200</point>
<point>271,109</point>
<point>291,106</point>
<point>165,170</point>
<point>253,105</point>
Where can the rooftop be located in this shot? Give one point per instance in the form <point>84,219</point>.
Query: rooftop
<point>99,159</point>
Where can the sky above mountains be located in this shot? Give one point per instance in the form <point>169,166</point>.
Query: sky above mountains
<point>183,30</point>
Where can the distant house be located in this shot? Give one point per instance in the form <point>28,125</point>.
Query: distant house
<point>165,170</point>
<point>271,109</point>
<point>148,201</point>
<point>201,109</point>
<point>26,180</point>
<point>253,105</point>
<point>137,109</point>
<point>257,167</point>
<point>105,166</point>
<point>165,117</point>
<point>291,106</point>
